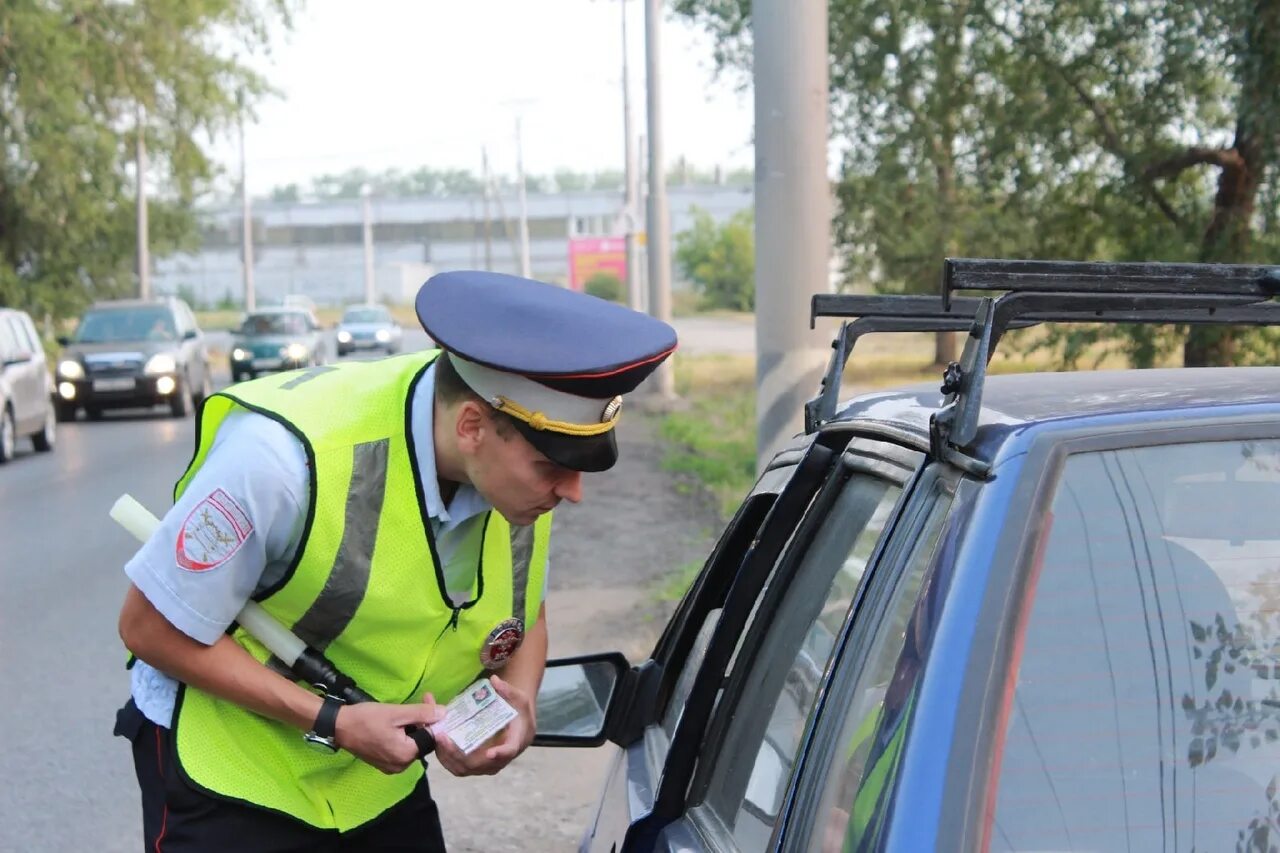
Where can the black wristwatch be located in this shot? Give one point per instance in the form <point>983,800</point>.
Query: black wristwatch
<point>324,731</point>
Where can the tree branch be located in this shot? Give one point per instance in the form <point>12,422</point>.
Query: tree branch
<point>1223,158</point>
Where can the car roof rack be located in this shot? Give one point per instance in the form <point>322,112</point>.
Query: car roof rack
<point>1035,292</point>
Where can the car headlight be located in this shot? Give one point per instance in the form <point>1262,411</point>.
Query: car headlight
<point>382,335</point>
<point>344,337</point>
<point>161,362</point>
<point>70,369</point>
<point>238,354</point>
<point>295,352</point>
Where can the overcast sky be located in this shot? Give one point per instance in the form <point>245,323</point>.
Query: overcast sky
<point>405,83</point>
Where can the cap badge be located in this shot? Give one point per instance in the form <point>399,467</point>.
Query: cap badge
<point>502,643</point>
<point>611,410</point>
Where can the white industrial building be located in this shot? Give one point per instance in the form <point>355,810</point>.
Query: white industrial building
<point>316,248</point>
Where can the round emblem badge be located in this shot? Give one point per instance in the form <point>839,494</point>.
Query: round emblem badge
<point>501,643</point>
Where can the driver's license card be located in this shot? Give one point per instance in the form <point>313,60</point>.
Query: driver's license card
<point>475,715</point>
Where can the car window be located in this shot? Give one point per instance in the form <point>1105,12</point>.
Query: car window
<point>1146,713</point>
<point>148,323</point>
<point>26,333</point>
<point>874,713</point>
<point>21,343</point>
<point>275,324</point>
<point>8,341</point>
<point>749,776</point>
<point>367,315</point>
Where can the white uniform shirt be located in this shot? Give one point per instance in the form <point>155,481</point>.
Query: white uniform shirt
<point>260,467</point>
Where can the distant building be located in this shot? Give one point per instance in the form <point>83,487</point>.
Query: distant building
<point>316,248</point>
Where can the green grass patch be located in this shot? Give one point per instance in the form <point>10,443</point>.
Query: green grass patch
<point>676,584</point>
<point>714,439</point>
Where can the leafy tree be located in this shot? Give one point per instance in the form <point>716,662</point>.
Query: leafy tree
<point>77,82</point>
<point>720,259</point>
<point>605,285</point>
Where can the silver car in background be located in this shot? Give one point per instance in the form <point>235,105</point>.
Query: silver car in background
<point>26,391</point>
<point>368,327</point>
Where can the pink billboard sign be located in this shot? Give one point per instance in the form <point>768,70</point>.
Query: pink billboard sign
<point>590,255</point>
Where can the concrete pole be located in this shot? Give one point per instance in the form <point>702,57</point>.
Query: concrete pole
<point>525,265</point>
<point>631,202</point>
<point>661,385</point>
<point>793,212</point>
<point>366,215</point>
<point>246,233</point>
<point>143,250</point>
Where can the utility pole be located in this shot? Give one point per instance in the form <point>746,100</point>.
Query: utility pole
<point>793,211</point>
<point>488,226</point>
<point>524,205</point>
<point>631,202</point>
<point>140,165</point>
<point>246,214</point>
<point>366,215</point>
<point>662,385</point>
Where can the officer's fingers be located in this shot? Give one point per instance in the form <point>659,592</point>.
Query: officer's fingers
<point>507,691</point>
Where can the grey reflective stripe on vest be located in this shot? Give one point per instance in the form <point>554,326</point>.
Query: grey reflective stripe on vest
<point>335,606</point>
<point>521,557</point>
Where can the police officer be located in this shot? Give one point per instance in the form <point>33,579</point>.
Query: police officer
<point>395,515</point>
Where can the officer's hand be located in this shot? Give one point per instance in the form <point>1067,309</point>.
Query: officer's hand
<point>374,732</point>
<point>502,748</point>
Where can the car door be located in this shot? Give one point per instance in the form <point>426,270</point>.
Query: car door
<point>1140,704</point>
<point>881,510</point>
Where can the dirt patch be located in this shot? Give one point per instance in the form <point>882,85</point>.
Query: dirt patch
<point>637,525</point>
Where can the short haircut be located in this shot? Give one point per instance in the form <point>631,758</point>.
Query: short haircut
<point>450,389</point>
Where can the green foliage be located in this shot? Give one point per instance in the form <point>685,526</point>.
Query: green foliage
<point>1079,129</point>
<point>720,259</point>
<point>605,285</point>
<point>74,79</point>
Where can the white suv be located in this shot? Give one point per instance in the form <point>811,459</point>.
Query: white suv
<point>26,392</point>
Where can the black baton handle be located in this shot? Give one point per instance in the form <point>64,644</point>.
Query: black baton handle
<point>314,668</point>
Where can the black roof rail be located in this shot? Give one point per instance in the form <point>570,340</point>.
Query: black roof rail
<point>1107,277</point>
<point>1040,292</point>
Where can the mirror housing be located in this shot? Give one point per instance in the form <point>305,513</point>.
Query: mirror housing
<point>190,334</point>
<point>63,340</point>
<point>575,701</point>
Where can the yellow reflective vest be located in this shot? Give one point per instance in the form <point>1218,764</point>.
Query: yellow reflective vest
<point>365,588</point>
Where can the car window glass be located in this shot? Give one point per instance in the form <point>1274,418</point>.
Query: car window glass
<point>873,722</point>
<point>1146,713</point>
<point>22,344</point>
<point>688,672</point>
<point>121,325</point>
<point>366,315</point>
<point>750,774</point>
<point>8,341</point>
<point>275,324</point>
<point>26,333</point>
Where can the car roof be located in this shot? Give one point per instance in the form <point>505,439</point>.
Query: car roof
<point>279,309</point>
<point>1012,402</point>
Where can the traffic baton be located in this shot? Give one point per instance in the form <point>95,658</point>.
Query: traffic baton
<point>306,663</point>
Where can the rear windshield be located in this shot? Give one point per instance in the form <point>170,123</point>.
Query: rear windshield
<point>1146,713</point>
<point>366,315</point>
<point>144,323</point>
<point>274,324</point>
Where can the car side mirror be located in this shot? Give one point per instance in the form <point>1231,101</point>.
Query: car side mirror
<point>16,358</point>
<point>574,699</point>
<point>63,340</point>
<point>190,334</point>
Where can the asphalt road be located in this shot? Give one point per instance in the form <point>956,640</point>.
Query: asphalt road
<point>68,784</point>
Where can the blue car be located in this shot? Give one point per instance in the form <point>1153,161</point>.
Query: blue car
<point>1025,612</point>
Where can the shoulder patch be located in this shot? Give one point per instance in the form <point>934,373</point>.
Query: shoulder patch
<point>213,532</point>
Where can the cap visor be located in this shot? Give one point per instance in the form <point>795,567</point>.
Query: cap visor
<point>577,453</point>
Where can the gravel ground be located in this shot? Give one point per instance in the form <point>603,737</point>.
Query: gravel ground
<point>635,526</point>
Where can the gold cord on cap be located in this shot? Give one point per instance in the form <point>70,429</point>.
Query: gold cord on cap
<point>541,422</point>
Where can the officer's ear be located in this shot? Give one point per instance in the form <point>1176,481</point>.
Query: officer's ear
<point>470,426</point>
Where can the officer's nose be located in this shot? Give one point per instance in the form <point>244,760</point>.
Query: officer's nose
<point>570,487</point>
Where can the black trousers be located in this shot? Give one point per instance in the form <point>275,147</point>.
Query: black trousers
<point>176,818</point>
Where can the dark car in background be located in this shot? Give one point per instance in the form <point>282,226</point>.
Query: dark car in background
<point>368,327</point>
<point>26,391</point>
<point>273,339</point>
<point>1024,612</point>
<point>130,353</point>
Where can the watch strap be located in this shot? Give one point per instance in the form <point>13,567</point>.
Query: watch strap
<point>326,724</point>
